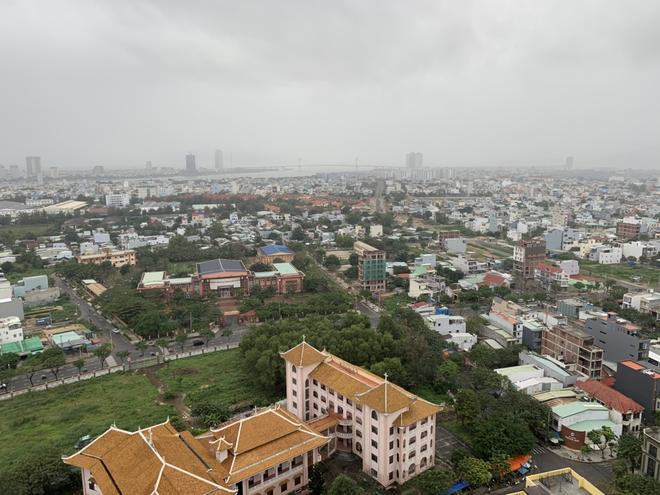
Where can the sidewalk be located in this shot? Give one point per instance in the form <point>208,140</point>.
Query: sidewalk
<point>590,457</point>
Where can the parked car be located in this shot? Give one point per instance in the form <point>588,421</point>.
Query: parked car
<point>197,343</point>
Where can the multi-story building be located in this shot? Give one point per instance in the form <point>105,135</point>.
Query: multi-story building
<point>117,200</point>
<point>606,255</point>
<point>11,330</point>
<point>650,449</point>
<point>620,339</point>
<point>226,277</point>
<point>573,345</point>
<point>551,276</point>
<point>512,325</point>
<point>117,258</point>
<point>645,302</point>
<point>391,430</point>
<point>526,255</point>
<point>274,252</point>
<point>628,230</point>
<point>639,381</point>
<point>284,279</point>
<point>269,452</point>
<point>623,410</point>
<point>371,267</point>
<point>191,164</point>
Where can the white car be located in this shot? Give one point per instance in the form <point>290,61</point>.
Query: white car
<point>115,330</point>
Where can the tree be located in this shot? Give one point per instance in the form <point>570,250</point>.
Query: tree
<point>9,360</point>
<point>181,339</point>
<point>332,263</point>
<point>396,372</point>
<point>103,352</point>
<point>474,324</point>
<point>499,465</point>
<point>206,334</point>
<point>475,471</point>
<point>316,483</point>
<point>298,234</point>
<point>53,358</point>
<point>630,450</point>
<point>30,368</point>
<point>41,472</point>
<point>79,363</point>
<point>162,343</point>
<point>260,267</point>
<point>343,485</point>
<point>123,355</point>
<point>432,481</point>
<point>636,484</point>
<point>467,406</point>
<point>141,346</point>
<point>600,438</point>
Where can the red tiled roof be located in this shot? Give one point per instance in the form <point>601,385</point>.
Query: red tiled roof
<point>612,398</point>
<point>548,268</point>
<point>493,280</point>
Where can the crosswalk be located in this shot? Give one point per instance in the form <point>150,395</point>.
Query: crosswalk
<point>538,450</point>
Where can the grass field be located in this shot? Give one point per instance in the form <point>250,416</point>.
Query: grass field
<point>59,417</point>
<point>647,274</point>
<point>217,377</point>
<point>20,230</point>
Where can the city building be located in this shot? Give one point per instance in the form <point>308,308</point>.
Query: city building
<point>526,256</point>
<point>529,379</point>
<point>69,207</point>
<point>645,302</point>
<point>572,345</point>
<point>650,448</point>
<point>453,329</point>
<point>33,166</point>
<point>117,258</point>
<point>619,339</point>
<point>117,200</point>
<point>551,367</point>
<point>551,276</point>
<point>191,164</point>
<point>371,267</point>
<point>574,420</point>
<point>563,481</point>
<point>639,381</point>
<point>226,277</point>
<point>159,281</point>
<point>11,330</point>
<point>628,230</point>
<point>28,284</point>
<point>391,430</point>
<point>274,252</point>
<point>414,160</point>
<point>219,161</point>
<point>284,279</point>
<point>269,452</point>
<point>623,410</point>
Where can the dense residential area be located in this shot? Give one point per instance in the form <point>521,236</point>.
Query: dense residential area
<point>424,331</point>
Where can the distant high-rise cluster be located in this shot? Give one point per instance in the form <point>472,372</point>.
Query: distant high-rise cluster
<point>148,165</point>
<point>33,166</point>
<point>414,159</point>
<point>191,164</point>
<point>219,160</point>
<point>569,163</point>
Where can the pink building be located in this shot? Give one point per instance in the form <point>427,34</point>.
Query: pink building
<point>390,429</point>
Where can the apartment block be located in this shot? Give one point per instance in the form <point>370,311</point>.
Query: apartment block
<point>620,339</point>
<point>639,381</point>
<point>371,267</point>
<point>650,449</point>
<point>391,430</point>
<point>115,257</point>
<point>572,345</point>
<point>627,231</point>
<point>526,255</point>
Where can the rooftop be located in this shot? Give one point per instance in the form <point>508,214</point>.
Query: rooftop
<point>612,398</point>
<point>275,249</point>
<point>220,266</point>
<point>577,407</point>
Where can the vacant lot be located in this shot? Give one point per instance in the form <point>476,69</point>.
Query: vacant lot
<point>647,274</point>
<point>217,377</point>
<point>59,417</point>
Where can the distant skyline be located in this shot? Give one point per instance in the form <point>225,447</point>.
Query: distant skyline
<point>467,83</point>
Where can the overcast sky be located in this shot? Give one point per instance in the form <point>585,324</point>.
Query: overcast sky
<point>466,82</point>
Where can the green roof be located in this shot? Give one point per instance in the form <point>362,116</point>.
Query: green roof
<point>590,425</point>
<point>577,407</point>
<point>285,268</point>
<point>30,345</point>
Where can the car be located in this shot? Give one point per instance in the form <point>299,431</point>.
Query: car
<point>197,343</point>
<point>115,330</point>
<point>152,353</point>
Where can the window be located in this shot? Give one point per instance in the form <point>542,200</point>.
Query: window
<point>294,405</point>
<point>412,440</point>
<point>653,451</point>
<point>424,434</point>
<point>91,483</point>
<point>374,430</point>
<point>374,444</point>
<point>391,444</point>
<point>316,406</point>
<point>340,397</point>
<point>391,460</point>
<point>358,433</point>
<point>293,380</point>
<point>374,415</point>
<point>315,382</point>
<point>391,474</point>
<point>293,368</point>
<point>650,468</point>
<point>358,447</point>
<point>283,487</point>
<point>391,430</point>
<point>331,392</point>
<point>296,480</point>
<point>374,473</point>
<point>412,454</point>
<point>374,457</point>
<point>315,394</point>
<point>294,393</point>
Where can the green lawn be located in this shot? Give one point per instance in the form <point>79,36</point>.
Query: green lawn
<point>217,377</point>
<point>59,417</point>
<point>20,230</point>
<point>646,273</point>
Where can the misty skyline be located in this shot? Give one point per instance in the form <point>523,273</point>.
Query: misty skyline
<point>467,83</point>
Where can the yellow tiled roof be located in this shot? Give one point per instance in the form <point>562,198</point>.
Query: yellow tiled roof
<point>339,380</point>
<point>263,441</point>
<point>303,355</point>
<point>124,462</point>
<point>419,409</point>
<point>386,398</point>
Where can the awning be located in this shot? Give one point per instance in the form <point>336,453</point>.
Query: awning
<point>457,487</point>
<point>523,470</point>
<point>517,462</point>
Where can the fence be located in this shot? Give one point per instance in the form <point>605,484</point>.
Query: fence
<point>146,362</point>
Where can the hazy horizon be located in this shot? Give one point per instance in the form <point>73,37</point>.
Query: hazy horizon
<point>470,83</point>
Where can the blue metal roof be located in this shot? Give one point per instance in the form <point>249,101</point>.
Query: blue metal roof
<point>275,249</point>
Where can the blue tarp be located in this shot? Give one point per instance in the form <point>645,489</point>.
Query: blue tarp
<point>457,487</point>
<point>523,470</point>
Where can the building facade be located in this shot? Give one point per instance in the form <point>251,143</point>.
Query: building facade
<point>650,449</point>
<point>117,258</point>
<point>572,345</point>
<point>526,255</point>
<point>619,339</point>
<point>371,267</point>
<point>391,430</point>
